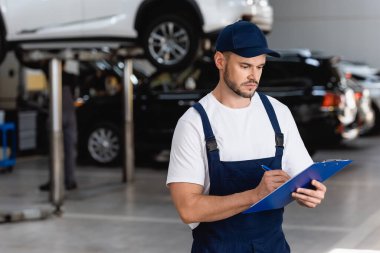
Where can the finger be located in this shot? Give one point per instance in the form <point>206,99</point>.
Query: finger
<point>285,177</point>
<point>279,179</point>
<point>306,204</point>
<point>306,198</point>
<point>272,186</point>
<point>275,185</point>
<point>312,193</point>
<point>277,173</point>
<point>276,180</point>
<point>319,185</point>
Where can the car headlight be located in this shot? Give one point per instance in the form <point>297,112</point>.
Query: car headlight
<point>262,3</point>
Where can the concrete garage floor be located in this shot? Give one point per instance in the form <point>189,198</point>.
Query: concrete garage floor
<point>104,215</point>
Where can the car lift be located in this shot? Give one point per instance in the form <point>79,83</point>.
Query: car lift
<point>55,53</point>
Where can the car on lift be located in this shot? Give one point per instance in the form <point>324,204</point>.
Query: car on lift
<point>169,31</point>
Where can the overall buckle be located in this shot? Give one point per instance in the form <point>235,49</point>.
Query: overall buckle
<point>279,140</point>
<point>211,144</point>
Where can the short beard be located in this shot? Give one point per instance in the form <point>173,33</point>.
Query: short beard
<point>235,87</point>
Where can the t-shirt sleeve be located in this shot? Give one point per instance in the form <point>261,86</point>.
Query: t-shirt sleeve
<point>296,157</point>
<point>187,162</point>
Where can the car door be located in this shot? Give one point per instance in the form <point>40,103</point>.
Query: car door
<point>158,110</point>
<point>41,19</point>
<point>110,18</point>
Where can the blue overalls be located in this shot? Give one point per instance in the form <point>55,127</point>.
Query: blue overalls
<point>243,233</point>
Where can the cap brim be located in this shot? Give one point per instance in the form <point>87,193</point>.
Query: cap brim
<point>253,52</point>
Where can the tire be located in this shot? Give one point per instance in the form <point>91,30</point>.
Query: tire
<point>170,42</point>
<point>376,128</point>
<point>3,47</point>
<point>104,144</point>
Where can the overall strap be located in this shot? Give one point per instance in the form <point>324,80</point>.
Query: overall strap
<point>211,145</point>
<point>279,136</point>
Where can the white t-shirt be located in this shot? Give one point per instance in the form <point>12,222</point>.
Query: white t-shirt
<point>241,134</point>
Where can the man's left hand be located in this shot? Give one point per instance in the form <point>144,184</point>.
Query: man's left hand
<point>308,197</point>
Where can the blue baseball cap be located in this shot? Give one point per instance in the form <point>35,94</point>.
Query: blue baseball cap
<point>245,39</point>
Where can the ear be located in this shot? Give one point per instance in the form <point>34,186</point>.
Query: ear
<point>219,60</point>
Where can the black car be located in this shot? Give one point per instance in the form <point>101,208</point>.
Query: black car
<point>321,102</point>
<point>159,102</point>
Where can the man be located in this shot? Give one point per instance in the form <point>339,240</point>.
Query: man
<point>220,144</point>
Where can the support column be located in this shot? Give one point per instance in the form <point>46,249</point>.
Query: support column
<point>129,147</point>
<point>56,134</point>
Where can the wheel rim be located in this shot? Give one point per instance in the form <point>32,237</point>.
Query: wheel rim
<point>103,145</point>
<point>168,43</point>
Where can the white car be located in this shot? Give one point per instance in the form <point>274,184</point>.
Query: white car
<point>169,30</point>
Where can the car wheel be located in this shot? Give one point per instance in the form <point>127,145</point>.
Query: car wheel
<point>170,42</point>
<point>104,144</point>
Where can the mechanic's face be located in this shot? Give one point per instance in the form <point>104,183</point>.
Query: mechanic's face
<point>242,75</point>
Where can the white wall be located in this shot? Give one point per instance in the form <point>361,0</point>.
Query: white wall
<point>347,28</point>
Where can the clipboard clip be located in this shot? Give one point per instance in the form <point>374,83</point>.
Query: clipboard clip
<point>332,160</point>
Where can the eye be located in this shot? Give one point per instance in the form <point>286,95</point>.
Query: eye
<point>244,66</point>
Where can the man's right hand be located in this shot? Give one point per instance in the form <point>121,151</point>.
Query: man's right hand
<point>195,206</point>
<point>271,180</point>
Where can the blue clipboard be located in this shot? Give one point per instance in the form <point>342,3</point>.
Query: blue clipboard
<point>282,196</point>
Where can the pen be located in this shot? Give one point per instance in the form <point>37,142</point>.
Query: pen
<point>266,168</point>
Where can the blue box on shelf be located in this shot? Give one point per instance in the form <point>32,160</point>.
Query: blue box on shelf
<point>7,132</point>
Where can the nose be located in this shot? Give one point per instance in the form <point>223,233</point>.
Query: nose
<point>252,75</point>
